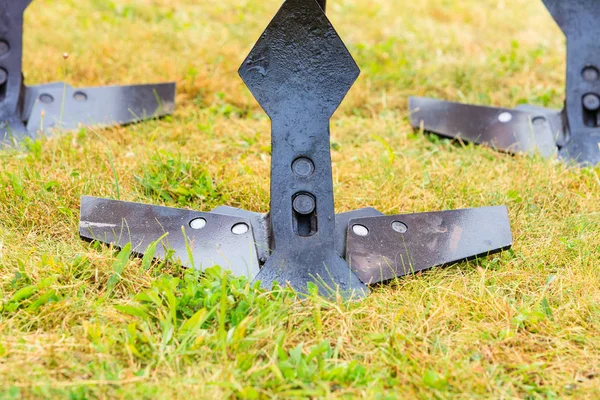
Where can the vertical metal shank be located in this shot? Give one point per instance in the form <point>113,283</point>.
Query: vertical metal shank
<point>578,19</point>
<point>300,71</point>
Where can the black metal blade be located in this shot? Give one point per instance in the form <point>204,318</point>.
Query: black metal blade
<point>62,107</point>
<point>509,130</point>
<point>300,71</point>
<point>261,227</point>
<point>383,248</point>
<point>212,239</point>
<point>341,226</point>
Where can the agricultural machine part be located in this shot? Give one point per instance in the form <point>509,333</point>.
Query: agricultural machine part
<point>27,110</point>
<point>300,71</point>
<point>572,134</point>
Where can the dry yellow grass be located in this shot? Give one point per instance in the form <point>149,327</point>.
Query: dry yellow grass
<point>523,324</point>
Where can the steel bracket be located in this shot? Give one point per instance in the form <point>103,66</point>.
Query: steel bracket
<point>572,134</point>
<point>27,110</point>
<point>300,71</point>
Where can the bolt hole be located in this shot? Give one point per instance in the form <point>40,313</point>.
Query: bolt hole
<point>80,96</point>
<point>303,167</point>
<point>198,223</point>
<point>539,121</point>
<point>505,117</point>
<point>46,98</point>
<point>3,76</point>
<point>360,230</point>
<point>240,229</point>
<point>399,227</point>
<point>591,102</point>
<point>4,48</point>
<point>590,74</point>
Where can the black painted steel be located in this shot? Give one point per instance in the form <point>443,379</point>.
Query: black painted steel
<point>383,248</point>
<point>508,130</point>
<point>27,110</point>
<point>574,133</point>
<point>198,240</point>
<point>300,71</point>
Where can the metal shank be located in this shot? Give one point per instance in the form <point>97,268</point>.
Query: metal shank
<point>300,71</point>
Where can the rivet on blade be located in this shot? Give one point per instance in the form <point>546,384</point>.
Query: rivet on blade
<point>46,98</point>
<point>505,117</point>
<point>198,223</point>
<point>399,227</point>
<point>360,230</point>
<point>240,229</point>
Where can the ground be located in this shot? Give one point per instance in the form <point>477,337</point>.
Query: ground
<point>84,321</point>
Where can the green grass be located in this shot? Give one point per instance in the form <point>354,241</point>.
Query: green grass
<point>83,321</point>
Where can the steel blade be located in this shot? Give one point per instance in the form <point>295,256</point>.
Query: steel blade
<point>509,130</point>
<point>383,248</point>
<point>62,107</point>
<point>210,239</point>
<point>341,225</point>
<point>261,226</point>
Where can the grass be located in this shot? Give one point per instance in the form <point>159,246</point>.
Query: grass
<point>84,321</point>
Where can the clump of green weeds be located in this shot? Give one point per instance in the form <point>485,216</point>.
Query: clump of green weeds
<point>175,179</point>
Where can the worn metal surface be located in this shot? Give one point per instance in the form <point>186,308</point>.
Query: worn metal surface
<point>299,71</point>
<point>96,106</point>
<point>119,222</point>
<point>261,226</point>
<point>423,241</point>
<point>25,111</point>
<point>575,132</point>
<point>509,130</point>
<point>341,226</point>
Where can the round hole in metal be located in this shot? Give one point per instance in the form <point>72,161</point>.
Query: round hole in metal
<point>303,167</point>
<point>80,96</point>
<point>360,230</point>
<point>590,73</point>
<point>240,229</point>
<point>198,223</point>
<point>505,117</point>
<point>399,227</point>
<point>46,98</point>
